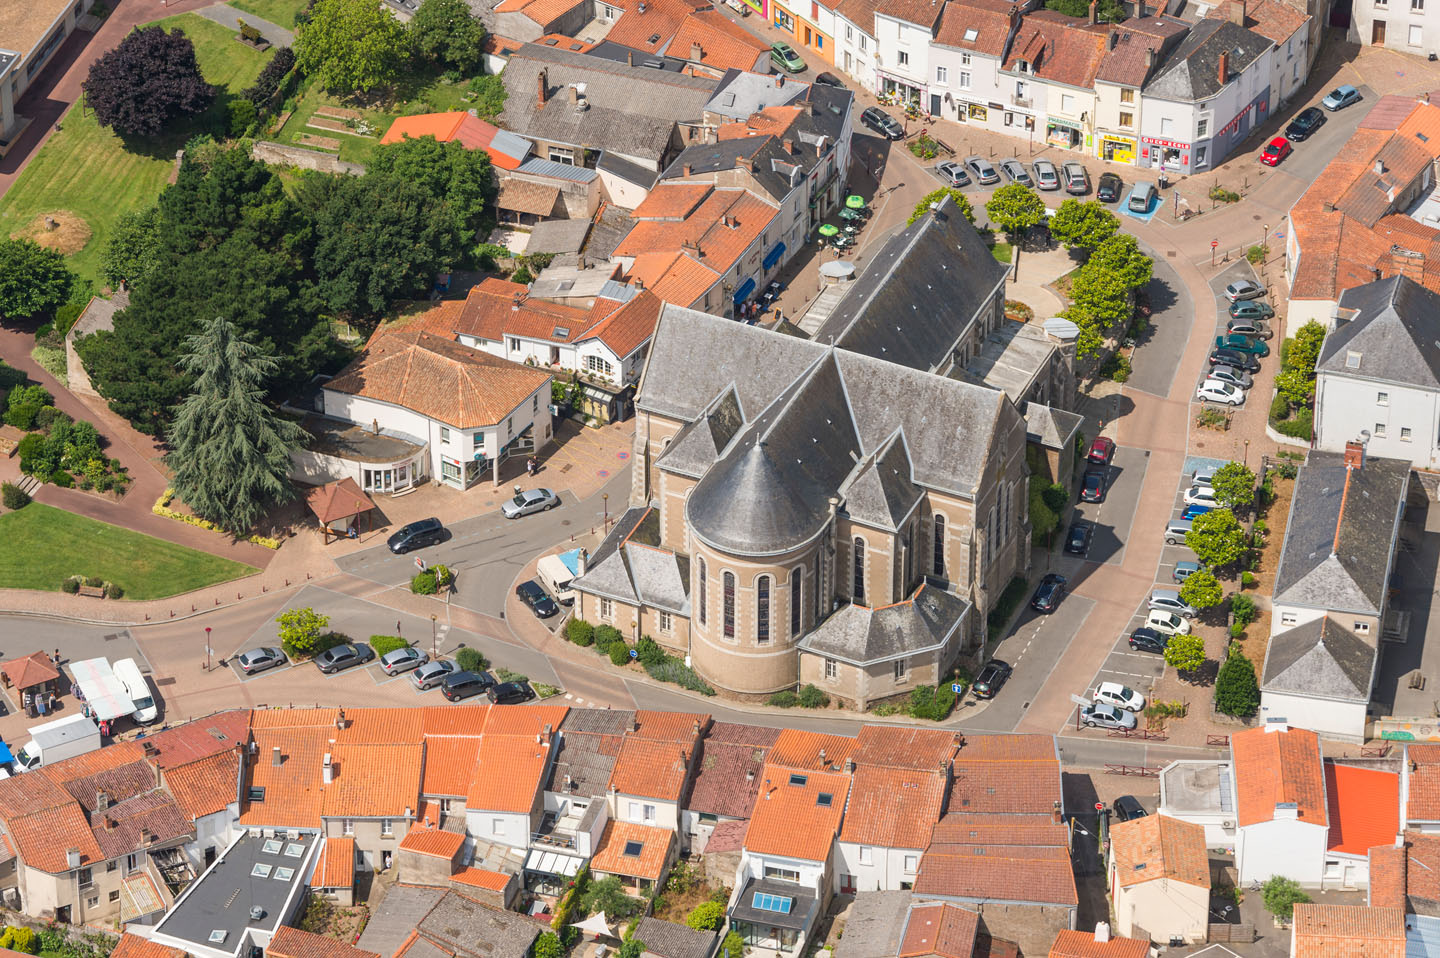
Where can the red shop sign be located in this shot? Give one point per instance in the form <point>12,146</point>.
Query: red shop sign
<point>1171,144</point>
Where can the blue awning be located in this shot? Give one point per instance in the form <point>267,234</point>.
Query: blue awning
<point>746,288</point>
<point>774,255</point>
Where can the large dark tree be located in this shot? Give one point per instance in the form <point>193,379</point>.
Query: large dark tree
<point>33,279</point>
<point>446,33</point>
<point>455,177</point>
<point>151,78</point>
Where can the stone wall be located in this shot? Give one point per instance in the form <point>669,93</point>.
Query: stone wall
<point>282,154</point>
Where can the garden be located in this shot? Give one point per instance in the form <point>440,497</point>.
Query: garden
<point>1291,411</point>
<point>687,897</point>
<point>61,450</point>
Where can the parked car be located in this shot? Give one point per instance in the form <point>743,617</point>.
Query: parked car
<point>1049,593</point>
<point>1212,390</point>
<point>1244,289</point>
<point>981,169</point>
<point>1234,359</point>
<point>535,597</point>
<point>1142,197</point>
<point>432,674</point>
<point>1127,808</point>
<point>1077,180</point>
<point>829,79</point>
<point>1167,623</point>
<point>1109,188</point>
<point>1170,601</point>
<point>1015,172</point>
<point>1340,97</point>
<point>1145,639</point>
<point>1242,344</point>
<point>1204,495</point>
<point>1251,309</point>
<point>258,660</point>
<point>1107,716</point>
<point>462,685</point>
<point>1120,696</point>
<point>1176,530</point>
<point>1184,570</point>
<point>1092,486</point>
<point>1203,479</point>
<point>402,660</point>
<point>1078,538</point>
<point>510,693</point>
<point>343,657</point>
<point>1306,122</point>
<point>952,173</point>
<point>1101,449</point>
<point>417,535</point>
<point>882,123</point>
<point>531,500</point>
<point>783,55</point>
<point>1275,151</point>
<point>991,677</point>
<point>1193,510</point>
<point>1046,176</point>
<point>1231,375</point>
<point>1253,328</point>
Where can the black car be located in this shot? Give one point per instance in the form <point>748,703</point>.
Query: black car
<point>1234,359</point>
<point>462,685</point>
<point>1148,640</point>
<point>1128,808</point>
<point>882,123</point>
<point>991,677</point>
<point>1092,486</point>
<point>1309,120</point>
<point>510,693</point>
<point>1049,593</point>
<point>1109,188</point>
<point>829,79</point>
<point>343,657</point>
<point>532,595</point>
<point>417,535</point>
<point>1078,539</point>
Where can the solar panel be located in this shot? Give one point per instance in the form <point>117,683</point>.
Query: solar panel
<point>775,903</point>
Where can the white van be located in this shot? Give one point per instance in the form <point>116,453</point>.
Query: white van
<point>555,574</point>
<point>139,690</point>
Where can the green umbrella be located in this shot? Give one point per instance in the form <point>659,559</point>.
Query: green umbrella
<point>855,202</point>
<point>828,229</point>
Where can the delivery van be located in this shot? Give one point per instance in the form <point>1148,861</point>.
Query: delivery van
<point>133,679</point>
<point>555,574</point>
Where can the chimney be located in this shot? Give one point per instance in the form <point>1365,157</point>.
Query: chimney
<point>583,560</point>
<point>1354,455</point>
<point>1379,166</point>
<point>540,96</point>
<point>1149,58</point>
<point>72,858</point>
<point>849,766</point>
<point>574,94</point>
<point>1056,814</point>
<point>822,758</point>
<point>102,800</point>
<point>1223,70</point>
<point>745,163</point>
<point>630,58</point>
<point>1328,206</point>
<point>275,758</point>
<point>789,146</point>
<point>1237,12</point>
<point>546,732</point>
<point>1139,9</point>
<point>328,770</point>
<point>1102,932</point>
<point>749,775</point>
<point>1093,4</point>
<point>696,53</point>
<point>779,79</point>
<point>639,287</point>
<point>695,729</point>
<point>340,721</point>
<point>109,824</point>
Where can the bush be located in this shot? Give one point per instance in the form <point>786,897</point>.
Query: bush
<point>733,946</point>
<point>1248,580</point>
<point>20,939</point>
<point>71,585</point>
<point>547,946</point>
<point>649,651</point>
<point>1298,428</point>
<point>784,700</point>
<point>250,33</point>
<point>706,916</point>
<point>619,652</point>
<point>604,636</point>
<point>269,80</point>
<point>1279,408</point>
<point>931,702</point>
<point>470,660</point>
<point>242,117</point>
<point>580,632</point>
<point>13,496</point>
<point>675,671</point>
<point>1242,607</point>
<point>505,675</point>
<point>1006,605</point>
<point>424,583</point>
<point>1236,691</point>
<point>62,479</point>
<point>813,697</point>
<point>385,644</point>
<point>444,576</point>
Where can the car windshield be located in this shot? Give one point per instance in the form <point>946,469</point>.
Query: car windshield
<point>519,500</point>
<point>1273,148</point>
<point>1337,94</point>
<point>1126,692</point>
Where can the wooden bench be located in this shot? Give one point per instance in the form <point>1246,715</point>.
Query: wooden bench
<point>98,591</point>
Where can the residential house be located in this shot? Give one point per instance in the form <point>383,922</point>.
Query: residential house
<point>1378,375</point>
<point>576,803</point>
<point>506,150</point>
<point>1135,52</point>
<point>1347,930</point>
<point>856,49</point>
<point>1404,27</point>
<point>429,855</point>
<point>653,770</point>
<point>639,855</point>
<point>418,922</point>
<point>971,40</point>
<point>1405,874</point>
<point>1332,591</point>
<point>665,939</point>
<point>1201,792</point>
<point>1282,820</point>
<point>903,30</point>
<point>1420,788</point>
<point>1160,879</point>
<point>1363,801</point>
<point>1284,24</point>
<point>506,799</point>
<point>812,23</point>
<point>32,32</point>
<point>1047,80</point>
<point>1205,97</point>
<point>693,33</point>
<point>726,781</point>
<point>528,21</point>
<point>896,924</point>
<point>1097,944</point>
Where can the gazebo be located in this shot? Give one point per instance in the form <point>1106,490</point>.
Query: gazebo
<point>34,674</point>
<point>336,504</point>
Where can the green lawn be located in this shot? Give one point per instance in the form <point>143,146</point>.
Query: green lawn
<point>91,172</point>
<point>1002,252</point>
<point>40,546</point>
<point>282,13</point>
<point>436,96</point>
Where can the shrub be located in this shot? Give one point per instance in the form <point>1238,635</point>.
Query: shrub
<point>250,33</point>
<point>62,479</point>
<point>1281,895</point>
<point>1242,607</point>
<point>470,660</point>
<point>71,585</point>
<point>930,702</point>
<point>13,496</point>
<point>580,632</point>
<point>785,700</point>
<point>1279,408</point>
<point>733,946</point>
<point>269,80</point>
<point>385,644</point>
<point>21,939</point>
<point>1298,428</point>
<point>619,652</point>
<point>114,591</point>
<point>300,631</point>
<point>444,576</point>
<point>1236,691</point>
<point>604,636</point>
<point>1257,253</point>
<point>706,916</point>
<point>547,946</point>
<point>813,697</point>
<point>242,116</point>
<point>505,675</point>
<point>675,671</point>
<point>1248,580</point>
<point>1006,605</point>
<point>649,651</point>
<point>424,583</point>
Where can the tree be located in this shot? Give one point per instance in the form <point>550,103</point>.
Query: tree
<point>1083,225</point>
<point>1234,485</point>
<point>1201,590</point>
<point>150,79</point>
<point>300,630</point>
<point>447,34</point>
<point>547,946</point>
<point>1107,11</point>
<point>133,249</point>
<point>490,95</point>
<point>1185,653</point>
<point>706,916</point>
<point>608,895</point>
<point>1120,257</point>
<point>230,452</point>
<point>1304,348</point>
<point>633,948</point>
<point>1236,691</point>
<point>1216,538</point>
<point>351,46</point>
<point>1043,519</point>
<point>733,946</point>
<point>458,180</point>
<point>935,197</point>
<point>1281,895</point>
<point>1295,385</point>
<point>1102,296</point>
<point>1015,208</point>
<point>33,279</point>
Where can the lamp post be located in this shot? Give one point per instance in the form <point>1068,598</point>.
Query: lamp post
<point>207,648</point>
<point>605,498</point>
<point>1264,237</point>
<point>433,652</point>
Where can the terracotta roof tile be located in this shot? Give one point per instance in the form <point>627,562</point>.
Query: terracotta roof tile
<point>152,818</point>
<point>1082,944</point>
<point>1020,777</point>
<point>734,733</point>
<point>293,718</point>
<point>28,670</point>
<point>433,842</point>
<point>509,771</point>
<point>1422,795</point>
<point>727,779</point>
<point>652,29</point>
<point>651,769</point>
<point>1387,877</point>
<point>207,786</point>
<point>293,943</point>
<point>789,817</point>
<point>383,726</point>
<point>96,762</point>
<point>523,196</point>
<point>612,855</point>
<point>35,838</point>
<point>771,121</point>
<point>795,748</point>
<point>716,233</point>
<point>674,277</point>
<point>337,864</point>
<point>1273,767</point>
<point>373,781</point>
<point>1272,19</point>
<point>116,784</point>
<point>899,747</point>
<point>724,44</point>
<point>454,719</point>
<point>1422,865</point>
<point>629,327</point>
<point>133,946</point>
<point>728,836</point>
<point>24,794</point>
<point>1059,49</point>
<point>1364,807</point>
<point>993,829</point>
<point>939,929</point>
<point>1158,846</point>
<point>449,765</point>
<point>989,19</point>
<point>293,789</point>
<point>1348,931</point>
<point>223,731</point>
<point>524,720</point>
<point>999,873</point>
<point>893,807</point>
<point>482,878</point>
<point>671,200</point>
<point>669,726</point>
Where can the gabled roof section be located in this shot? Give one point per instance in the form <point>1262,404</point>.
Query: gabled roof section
<point>506,150</point>
<point>940,930</point>
<point>651,769</point>
<point>893,807</point>
<point>863,636</point>
<point>1364,807</point>
<point>1071,943</point>
<point>206,786</point>
<point>797,814</point>
<point>1320,658</point>
<point>1029,866</point>
<point>293,943</point>
<point>980,26</point>
<point>1327,931</point>
<point>1139,47</point>
<point>1005,774</point>
<point>1158,846</point>
<point>895,746</point>
<point>800,750</point>
<point>635,851</point>
<point>1422,786</point>
<point>1192,71</point>
<point>1393,335</point>
<point>881,493</point>
<point>1272,19</point>
<point>1059,49</point>
<point>1278,766</point>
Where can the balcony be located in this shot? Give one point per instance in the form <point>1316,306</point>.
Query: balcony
<point>1022,101</point>
<point>558,831</point>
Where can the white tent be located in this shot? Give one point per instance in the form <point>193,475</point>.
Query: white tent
<point>597,925</point>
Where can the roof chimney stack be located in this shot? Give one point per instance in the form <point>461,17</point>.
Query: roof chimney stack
<point>540,96</point>
<point>1102,932</point>
<point>630,58</point>
<point>1237,12</point>
<point>789,146</point>
<point>1379,166</point>
<point>849,766</point>
<point>582,561</point>
<point>1149,58</point>
<point>822,758</point>
<point>102,800</point>
<point>1057,815</point>
<point>1223,70</point>
<point>275,758</point>
<point>1354,455</point>
<point>328,770</point>
<point>72,858</point>
<point>1093,4</point>
<point>696,52</point>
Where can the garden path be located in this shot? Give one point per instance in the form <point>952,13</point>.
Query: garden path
<point>228,16</point>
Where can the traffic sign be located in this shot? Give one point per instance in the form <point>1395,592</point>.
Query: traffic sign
<point>420,563</point>
<point>634,653</point>
<point>1099,806</point>
<point>1214,244</point>
<point>957,688</point>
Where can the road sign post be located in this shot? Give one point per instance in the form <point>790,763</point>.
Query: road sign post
<point>1214,245</point>
<point>420,563</point>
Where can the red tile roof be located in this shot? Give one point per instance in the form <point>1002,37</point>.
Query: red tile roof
<point>724,44</point>
<point>133,946</point>
<point>29,670</point>
<point>1348,931</point>
<point>1274,767</point>
<point>1422,865</point>
<point>528,720</point>
<point>454,719</point>
<point>449,765</point>
<point>471,132</point>
<point>482,878</point>
<point>898,747</point>
<point>433,842</point>
<point>728,837</point>
<point>992,857</point>
<point>1387,877</point>
<point>1082,944</point>
<point>1158,846</point>
<point>337,864</point>
<point>42,839</point>
<point>990,19</point>
<point>727,779</point>
<point>1060,49</point>
<point>651,769</point>
<point>1272,19</point>
<point>198,739</point>
<point>789,819</point>
<point>676,277</point>
<point>509,771</point>
<point>771,121</point>
<point>207,786</point>
<point>893,807</point>
<point>373,781</point>
<point>996,829</point>
<point>672,200</point>
<point>654,850</point>
<point>293,943</point>
<point>795,748</point>
<point>1422,789</point>
<point>1006,774</point>
<point>293,789</point>
<point>939,929</point>
<point>1364,807</point>
<point>629,327</point>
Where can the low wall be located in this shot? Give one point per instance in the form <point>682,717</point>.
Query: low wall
<point>281,154</point>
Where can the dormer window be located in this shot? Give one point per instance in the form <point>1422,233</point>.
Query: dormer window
<point>1022,66</point>
<point>1352,360</point>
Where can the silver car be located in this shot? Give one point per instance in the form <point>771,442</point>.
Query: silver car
<point>258,660</point>
<point>982,170</point>
<point>1046,176</point>
<point>1244,289</point>
<point>952,173</point>
<point>1231,375</point>
<point>1015,172</point>
<point>1107,716</point>
<point>431,674</point>
<point>402,660</point>
<point>1077,181</point>
<point>531,500</point>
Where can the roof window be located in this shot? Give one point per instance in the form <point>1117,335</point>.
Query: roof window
<point>1352,360</point>
<point>775,903</point>
<point>293,850</point>
<point>272,846</point>
<point>218,935</point>
<point>633,849</point>
<point>261,870</point>
<point>284,874</point>
<point>561,332</point>
<point>971,33</point>
<point>256,793</point>
<point>824,799</point>
<point>799,780</point>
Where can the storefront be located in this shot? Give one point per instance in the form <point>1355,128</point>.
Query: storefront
<point>783,18</point>
<point>1117,149</point>
<point>1063,133</point>
<point>978,112</point>
<point>906,91</point>
<point>757,5</point>
<point>1166,154</point>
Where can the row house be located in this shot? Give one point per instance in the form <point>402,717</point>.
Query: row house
<point>1136,49</point>
<point>1283,24</point>
<point>1049,78</point>
<point>971,40</point>
<point>903,30</point>
<point>812,23</point>
<point>726,782</point>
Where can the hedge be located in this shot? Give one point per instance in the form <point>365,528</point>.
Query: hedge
<point>162,508</point>
<point>606,634</point>
<point>385,644</point>
<point>619,652</point>
<point>1298,428</point>
<point>580,632</point>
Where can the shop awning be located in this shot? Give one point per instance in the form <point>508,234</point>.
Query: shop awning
<point>746,288</point>
<point>553,863</point>
<point>777,251</point>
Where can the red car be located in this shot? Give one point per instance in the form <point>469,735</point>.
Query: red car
<point>1275,151</point>
<point>1101,449</point>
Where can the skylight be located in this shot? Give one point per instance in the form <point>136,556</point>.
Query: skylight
<point>633,849</point>
<point>257,793</point>
<point>294,851</point>
<point>284,874</point>
<point>261,870</point>
<point>798,780</point>
<point>561,332</point>
<point>824,799</point>
<point>971,33</point>
<point>776,903</point>
<point>218,935</point>
<point>272,846</point>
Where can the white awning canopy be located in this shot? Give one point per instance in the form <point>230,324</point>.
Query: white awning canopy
<point>597,925</point>
<point>553,863</point>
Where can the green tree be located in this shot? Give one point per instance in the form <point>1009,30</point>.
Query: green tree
<point>1281,895</point>
<point>1201,590</point>
<point>33,279</point>
<point>1015,208</point>
<point>1107,11</point>
<point>458,180</point>
<point>1236,691</point>
<point>1092,333</point>
<point>608,895</point>
<point>1304,348</point>
<point>448,35</point>
<point>1294,385</point>
<point>547,946</point>
<point>733,946</point>
<point>633,948</point>
<point>229,451</point>
<point>1102,295</point>
<point>351,46</point>
<point>1185,653</point>
<point>1043,519</point>
<point>300,630</point>
<point>1120,257</point>
<point>1083,225</point>
<point>1216,538</point>
<point>936,196</point>
<point>133,249</point>
<point>489,93</point>
<point>1234,485</point>
<point>706,916</point>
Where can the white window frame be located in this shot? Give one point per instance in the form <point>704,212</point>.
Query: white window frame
<point>832,669</point>
<point>347,826</point>
<point>1382,399</point>
<point>942,75</point>
<point>865,855</point>
<point>387,827</point>
<point>607,608</point>
<point>666,622</point>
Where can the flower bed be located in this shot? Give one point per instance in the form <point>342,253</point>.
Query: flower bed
<point>162,508</point>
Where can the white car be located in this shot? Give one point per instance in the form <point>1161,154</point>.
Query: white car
<point>1213,390</point>
<point>1201,496</point>
<point>1166,622</point>
<point>1107,716</point>
<point>1120,696</point>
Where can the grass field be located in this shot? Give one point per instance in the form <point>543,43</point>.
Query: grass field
<point>90,171</point>
<point>282,13</point>
<point>435,97</point>
<point>41,546</point>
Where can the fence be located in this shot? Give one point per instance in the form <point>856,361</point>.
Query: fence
<point>1141,770</point>
<point>1241,932</point>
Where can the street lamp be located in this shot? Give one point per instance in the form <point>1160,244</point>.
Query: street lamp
<point>605,498</point>
<point>1264,238</point>
<point>433,653</point>
<point>207,648</point>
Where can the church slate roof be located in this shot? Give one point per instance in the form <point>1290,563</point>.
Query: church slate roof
<point>863,636</point>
